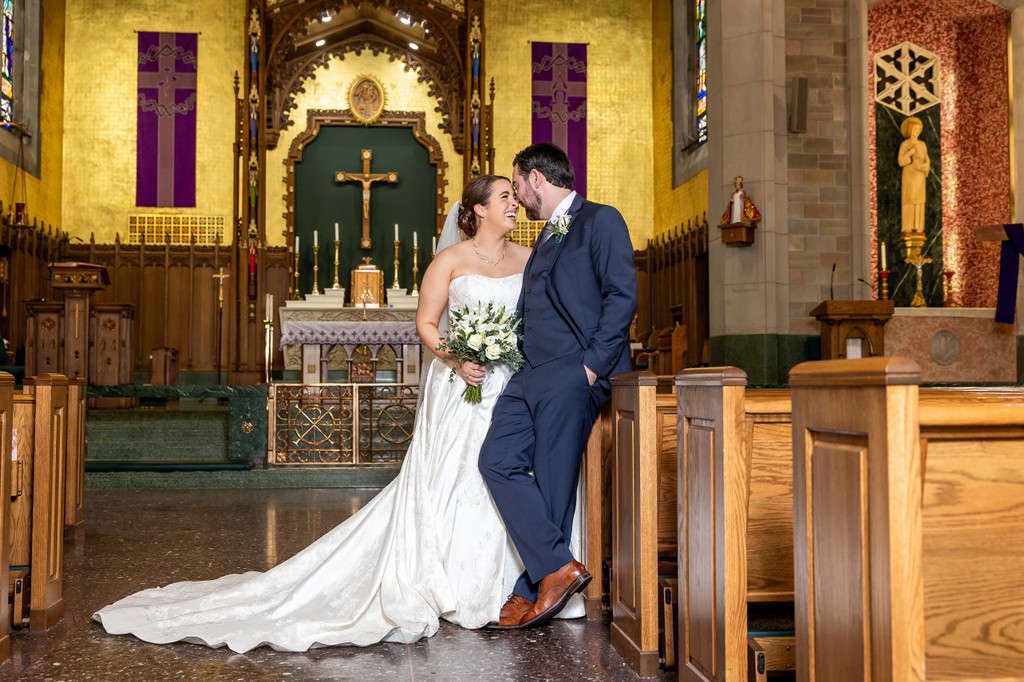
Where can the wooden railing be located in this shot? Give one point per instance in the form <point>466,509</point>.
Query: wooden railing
<point>672,279</point>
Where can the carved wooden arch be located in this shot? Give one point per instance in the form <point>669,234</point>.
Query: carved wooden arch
<point>318,118</point>
<point>445,72</point>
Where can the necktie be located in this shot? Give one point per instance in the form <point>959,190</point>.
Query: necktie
<point>546,235</point>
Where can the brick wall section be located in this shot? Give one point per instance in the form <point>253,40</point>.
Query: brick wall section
<point>819,159</point>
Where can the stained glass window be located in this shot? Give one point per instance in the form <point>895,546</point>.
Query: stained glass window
<point>701,33</point>
<point>7,63</point>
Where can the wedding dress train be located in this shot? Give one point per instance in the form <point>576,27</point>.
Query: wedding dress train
<point>430,545</point>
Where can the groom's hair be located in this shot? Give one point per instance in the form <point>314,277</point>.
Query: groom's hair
<point>549,160</point>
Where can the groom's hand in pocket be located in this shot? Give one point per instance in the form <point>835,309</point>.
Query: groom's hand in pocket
<point>591,375</point>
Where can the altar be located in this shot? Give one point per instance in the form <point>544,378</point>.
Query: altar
<point>954,345</point>
<point>316,329</point>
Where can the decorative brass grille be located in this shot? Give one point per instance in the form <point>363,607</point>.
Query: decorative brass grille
<point>205,230</point>
<point>340,425</point>
<point>526,231</point>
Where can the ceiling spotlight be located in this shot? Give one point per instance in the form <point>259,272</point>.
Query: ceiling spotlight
<point>325,16</point>
<point>405,19</point>
<point>414,46</point>
<point>320,43</point>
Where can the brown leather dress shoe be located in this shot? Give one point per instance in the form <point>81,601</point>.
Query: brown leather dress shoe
<point>554,593</point>
<point>511,613</point>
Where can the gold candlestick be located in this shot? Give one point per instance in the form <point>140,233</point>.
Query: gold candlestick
<point>268,344</point>
<point>394,284</point>
<point>337,282</point>
<point>316,271</point>
<point>295,296</point>
<point>415,270</point>
<point>950,299</point>
<point>883,289</point>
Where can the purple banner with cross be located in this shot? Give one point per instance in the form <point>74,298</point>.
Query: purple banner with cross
<point>560,102</point>
<point>165,172</point>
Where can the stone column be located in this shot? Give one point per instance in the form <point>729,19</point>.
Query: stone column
<point>749,290</point>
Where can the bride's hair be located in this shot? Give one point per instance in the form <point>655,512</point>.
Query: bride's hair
<point>477,192</point>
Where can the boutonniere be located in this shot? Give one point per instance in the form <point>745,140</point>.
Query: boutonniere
<point>560,227</point>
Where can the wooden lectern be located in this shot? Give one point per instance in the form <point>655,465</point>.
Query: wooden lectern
<point>850,325</point>
<point>78,281</point>
<point>367,285</point>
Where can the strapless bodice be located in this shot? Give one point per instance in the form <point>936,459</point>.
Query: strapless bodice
<point>476,291</point>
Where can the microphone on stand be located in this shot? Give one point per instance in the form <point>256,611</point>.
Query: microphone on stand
<point>831,281</point>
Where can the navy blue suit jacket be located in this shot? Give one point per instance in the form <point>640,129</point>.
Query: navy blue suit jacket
<point>592,285</point>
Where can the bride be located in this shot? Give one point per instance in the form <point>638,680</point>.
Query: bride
<point>430,545</point>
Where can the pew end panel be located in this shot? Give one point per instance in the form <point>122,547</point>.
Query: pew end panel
<point>74,499</point>
<point>857,520</point>
<point>735,509</point>
<point>6,467</point>
<point>712,524</point>
<point>634,588</point>
<point>40,414</point>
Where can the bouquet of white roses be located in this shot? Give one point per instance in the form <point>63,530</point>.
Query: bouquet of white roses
<point>486,336</point>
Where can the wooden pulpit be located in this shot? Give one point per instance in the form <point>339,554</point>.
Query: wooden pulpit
<point>852,329</point>
<point>78,281</point>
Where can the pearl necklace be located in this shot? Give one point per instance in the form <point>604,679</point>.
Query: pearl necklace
<point>492,263</point>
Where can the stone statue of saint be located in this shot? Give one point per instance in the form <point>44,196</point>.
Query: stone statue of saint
<point>741,210</point>
<point>913,159</point>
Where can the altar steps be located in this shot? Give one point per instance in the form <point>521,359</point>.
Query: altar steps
<point>190,446</point>
<point>141,438</point>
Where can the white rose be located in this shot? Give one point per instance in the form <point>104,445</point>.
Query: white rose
<point>475,341</point>
<point>493,352</point>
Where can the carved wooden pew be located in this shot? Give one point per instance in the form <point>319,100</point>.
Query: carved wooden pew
<point>74,498</point>
<point>6,418</point>
<point>37,501</point>
<point>735,527</point>
<point>909,520</point>
<point>643,524</point>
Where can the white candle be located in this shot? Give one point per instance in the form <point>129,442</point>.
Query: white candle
<point>336,232</point>
<point>415,241</point>
<point>296,243</point>
<point>433,244</point>
<point>316,238</point>
<point>270,303</point>
<point>396,232</point>
<point>882,249</point>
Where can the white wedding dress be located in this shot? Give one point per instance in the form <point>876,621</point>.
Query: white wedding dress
<point>430,545</point>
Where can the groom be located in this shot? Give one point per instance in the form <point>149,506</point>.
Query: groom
<point>578,299</point>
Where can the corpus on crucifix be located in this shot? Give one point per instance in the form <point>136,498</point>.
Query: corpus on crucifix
<point>366,178</point>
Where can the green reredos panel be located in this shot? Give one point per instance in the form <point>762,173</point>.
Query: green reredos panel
<point>320,202</point>
<point>903,278</point>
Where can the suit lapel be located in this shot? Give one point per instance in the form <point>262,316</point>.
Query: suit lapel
<point>574,211</point>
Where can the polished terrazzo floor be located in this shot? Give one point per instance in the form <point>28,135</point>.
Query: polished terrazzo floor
<point>142,538</point>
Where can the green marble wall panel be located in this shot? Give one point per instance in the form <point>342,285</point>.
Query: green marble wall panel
<point>766,358</point>
<point>888,175</point>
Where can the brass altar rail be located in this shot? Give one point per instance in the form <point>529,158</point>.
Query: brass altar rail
<point>340,425</point>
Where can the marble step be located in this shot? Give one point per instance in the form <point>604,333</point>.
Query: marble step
<point>156,436</point>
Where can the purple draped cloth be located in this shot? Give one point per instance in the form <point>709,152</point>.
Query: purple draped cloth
<point>165,169</point>
<point>560,102</point>
<point>1009,263</point>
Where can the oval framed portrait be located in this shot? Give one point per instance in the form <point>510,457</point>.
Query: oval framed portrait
<point>366,98</point>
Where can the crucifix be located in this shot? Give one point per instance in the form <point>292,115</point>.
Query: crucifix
<point>366,178</point>
<point>220,312</point>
